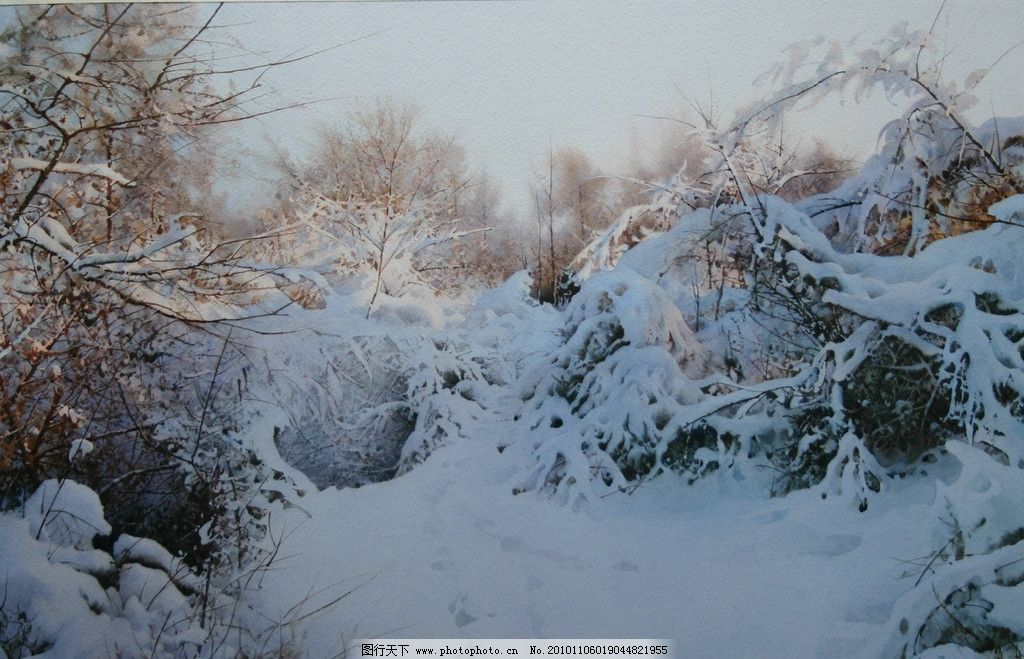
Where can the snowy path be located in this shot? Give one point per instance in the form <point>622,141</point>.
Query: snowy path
<point>447,551</point>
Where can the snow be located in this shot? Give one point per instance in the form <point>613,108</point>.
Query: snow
<point>510,297</point>
<point>54,596</point>
<point>55,579</point>
<point>1010,209</point>
<point>67,513</point>
<point>143,550</point>
<point>79,449</point>
<point>85,169</point>
<point>448,551</point>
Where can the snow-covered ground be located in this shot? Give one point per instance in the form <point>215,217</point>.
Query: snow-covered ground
<point>448,551</point>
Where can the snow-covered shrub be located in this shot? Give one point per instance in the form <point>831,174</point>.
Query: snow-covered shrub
<point>449,375</point>
<point>133,598</point>
<point>897,401</point>
<point>935,174</point>
<point>949,315</point>
<point>114,295</point>
<point>323,390</point>
<point>66,599</point>
<point>832,364</point>
<point>634,390</point>
<point>142,411</point>
<point>967,592</point>
<point>352,410</point>
<point>856,336</point>
<point>898,355</point>
<point>368,401</point>
<point>611,392</point>
<point>445,389</point>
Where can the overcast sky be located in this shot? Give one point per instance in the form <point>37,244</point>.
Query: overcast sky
<point>510,78</point>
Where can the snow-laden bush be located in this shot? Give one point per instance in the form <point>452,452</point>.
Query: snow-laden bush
<point>64,597</point>
<point>610,400</point>
<point>949,316</point>
<point>634,390</point>
<point>902,354</point>
<point>322,389</point>
<point>935,174</point>
<point>898,366</point>
<point>447,386</point>
<point>833,363</point>
<point>967,591</point>
<point>854,338</point>
<point>368,399</point>
<point>117,301</point>
<point>67,599</point>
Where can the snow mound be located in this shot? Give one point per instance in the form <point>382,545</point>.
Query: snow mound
<point>66,513</point>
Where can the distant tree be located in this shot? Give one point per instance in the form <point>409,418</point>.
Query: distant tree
<point>380,156</point>
<point>379,197</point>
<point>491,256</point>
<point>580,191</point>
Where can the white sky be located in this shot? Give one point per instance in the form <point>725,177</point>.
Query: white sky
<point>511,78</point>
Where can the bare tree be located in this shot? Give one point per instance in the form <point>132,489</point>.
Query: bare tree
<point>380,198</point>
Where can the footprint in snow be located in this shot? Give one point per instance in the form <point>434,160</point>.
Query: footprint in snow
<point>457,607</point>
<point>462,618</point>
<point>441,490</point>
<point>625,566</point>
<point>516,545</point>
<point>511,544</point>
